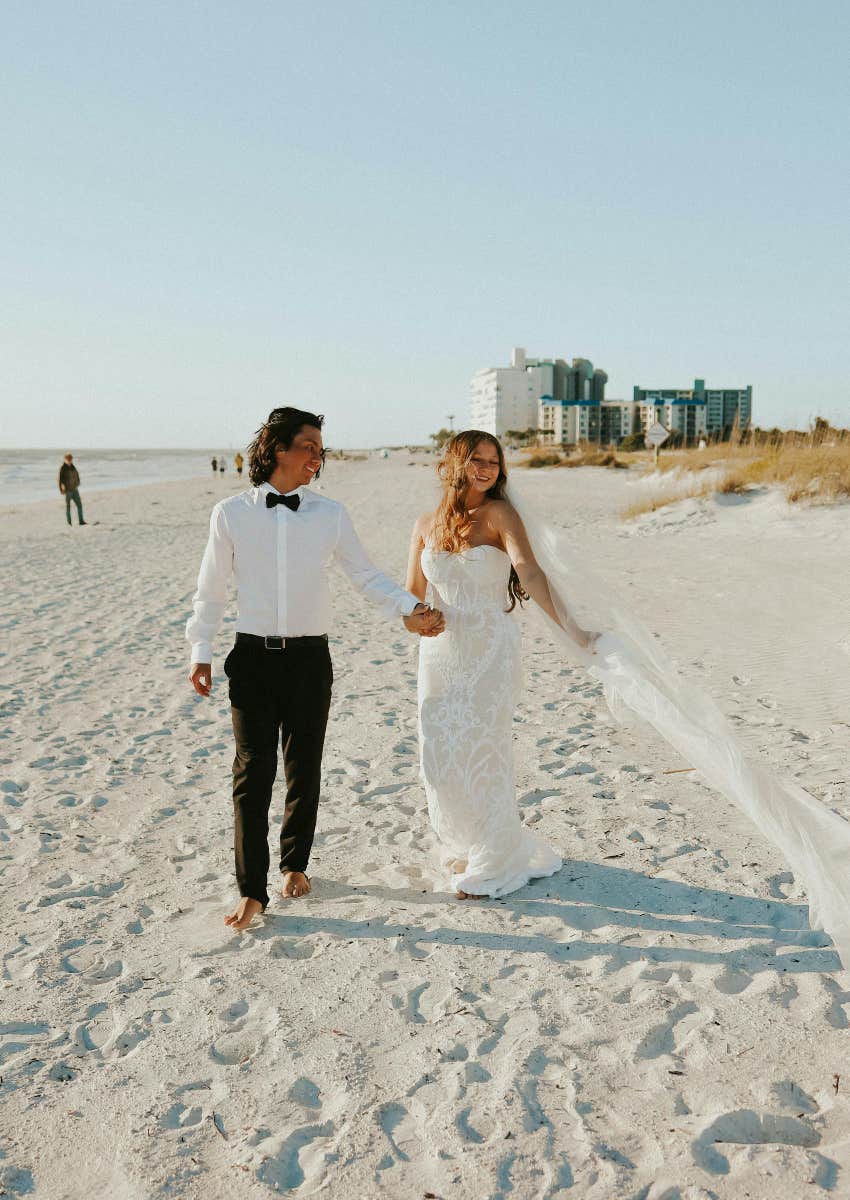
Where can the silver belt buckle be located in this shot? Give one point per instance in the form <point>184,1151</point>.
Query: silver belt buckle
<point>274,638</point>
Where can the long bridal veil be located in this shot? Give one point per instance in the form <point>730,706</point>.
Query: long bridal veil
<point>641,684</point>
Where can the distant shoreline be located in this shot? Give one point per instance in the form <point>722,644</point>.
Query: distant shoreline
<point>30,477</point>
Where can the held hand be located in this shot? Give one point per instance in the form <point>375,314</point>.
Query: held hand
<point>437,627</point>
<point>200,678</point>
<point>427,622</point>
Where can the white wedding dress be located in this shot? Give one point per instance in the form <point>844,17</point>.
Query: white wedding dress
<point>469,681</point>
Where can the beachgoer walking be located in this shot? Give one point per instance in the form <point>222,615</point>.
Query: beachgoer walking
<point>69,483</point>
<point>214,465</point>
<point>238,462</point>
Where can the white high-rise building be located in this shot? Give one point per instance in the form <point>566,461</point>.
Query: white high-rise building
<point>518,397</point>
<point>506,398</point>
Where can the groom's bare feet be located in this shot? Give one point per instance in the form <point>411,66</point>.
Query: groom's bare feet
<point>470,896</point>
<point>295,883</point>
<point>244,913</point>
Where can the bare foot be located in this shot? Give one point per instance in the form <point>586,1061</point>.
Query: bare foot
<point>470,896</point>
<point>295,883</point>
<point>244,913</point>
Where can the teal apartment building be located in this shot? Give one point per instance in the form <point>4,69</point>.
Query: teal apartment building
<point>695,412</point>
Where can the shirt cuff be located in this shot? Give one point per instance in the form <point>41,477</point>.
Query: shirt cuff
<point>408,603</point>
<point>201,652</point>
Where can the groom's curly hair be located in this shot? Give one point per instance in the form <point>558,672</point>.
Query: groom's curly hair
<point>453,523</point>
<point>279,430</point>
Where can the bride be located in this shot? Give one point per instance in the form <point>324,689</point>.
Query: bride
<point>479,553</point>
<point>473,558</point>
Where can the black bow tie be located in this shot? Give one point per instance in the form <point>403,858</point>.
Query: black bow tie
<point>291,502</point>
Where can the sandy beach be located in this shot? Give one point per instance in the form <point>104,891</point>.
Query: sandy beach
<point>656,1021</point>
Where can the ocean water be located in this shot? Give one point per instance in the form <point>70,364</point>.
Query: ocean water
<point>30,475</point>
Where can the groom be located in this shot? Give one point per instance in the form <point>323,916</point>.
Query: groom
<point>277,540</point>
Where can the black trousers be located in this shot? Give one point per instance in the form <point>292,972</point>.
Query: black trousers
<point>276,694</point>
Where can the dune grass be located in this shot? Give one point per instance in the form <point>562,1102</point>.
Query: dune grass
<point>542,458</point>
<point>808,470</point>
<point>593,456</point>
<point>584,455</point>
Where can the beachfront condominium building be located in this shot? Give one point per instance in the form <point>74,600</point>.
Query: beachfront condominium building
<point>619,418</point>
<point>695,412</point>
<point>563,423</point>
<point>570,410</point>
<point>537,393</point>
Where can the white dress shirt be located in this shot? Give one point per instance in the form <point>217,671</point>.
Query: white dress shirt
<point>279,559</point>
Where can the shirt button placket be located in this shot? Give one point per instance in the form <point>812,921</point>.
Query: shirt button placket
<point>281,513</point>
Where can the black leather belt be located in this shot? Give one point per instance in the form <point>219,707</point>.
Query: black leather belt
<point>280,643</point>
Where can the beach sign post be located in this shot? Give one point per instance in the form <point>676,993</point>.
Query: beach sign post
<point>656,436</point>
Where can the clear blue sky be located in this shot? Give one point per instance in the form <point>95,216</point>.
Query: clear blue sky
<point>209,209</point>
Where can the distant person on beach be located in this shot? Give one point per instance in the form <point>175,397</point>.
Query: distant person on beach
<point>221,465</point>
<point>214,465</point>
<point>239,462</point>
<point>69,483</point>
<point>278,539</point>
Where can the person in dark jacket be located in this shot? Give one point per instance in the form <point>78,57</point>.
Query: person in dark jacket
<point>69,483</point>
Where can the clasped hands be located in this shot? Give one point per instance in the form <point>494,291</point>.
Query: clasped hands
<point>424,620</point>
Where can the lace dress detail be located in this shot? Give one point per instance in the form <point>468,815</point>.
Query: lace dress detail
<point>469,682</point>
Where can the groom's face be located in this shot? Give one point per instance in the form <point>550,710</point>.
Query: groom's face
<point>306,454</point>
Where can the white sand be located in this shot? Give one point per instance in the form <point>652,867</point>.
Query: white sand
<point>655,1021</point>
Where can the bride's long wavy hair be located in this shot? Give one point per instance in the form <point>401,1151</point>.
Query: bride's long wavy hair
<point>452,523</point>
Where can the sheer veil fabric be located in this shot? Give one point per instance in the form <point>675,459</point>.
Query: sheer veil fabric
<point>641,685</point>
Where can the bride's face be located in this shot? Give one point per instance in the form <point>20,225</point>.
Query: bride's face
<point>482,470</point>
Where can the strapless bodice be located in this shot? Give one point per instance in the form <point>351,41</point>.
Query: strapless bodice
<point>470,580</point>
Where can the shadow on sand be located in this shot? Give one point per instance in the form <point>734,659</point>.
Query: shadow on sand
<point>586,897</point>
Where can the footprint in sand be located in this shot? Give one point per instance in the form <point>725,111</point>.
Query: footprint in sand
<point>399,1129</point>
<point>790,1095</point>
<point>749,1128</point>
<point>20,1042</point>
<point>128,1040</point>
<point>408,1004</point>
<point>179,1116</point>
<point>295,1158</point>
<point>281,947</point>
<point>62,1073</point>
<point>468,1133</point>
<point>246,1035</point>
<point>96,1030</point>
<point>98,891</point>
<point>105,971</point>
<point>15,1181</point>
<point>660,1039</point>
<point>306,1093</point>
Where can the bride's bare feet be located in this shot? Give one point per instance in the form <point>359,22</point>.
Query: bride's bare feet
<point>295,883</point>
<point>244,913</point>
<point>470,896</point>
